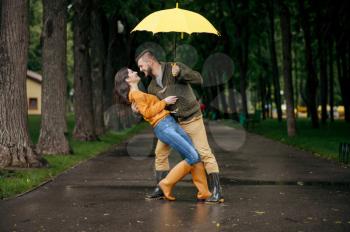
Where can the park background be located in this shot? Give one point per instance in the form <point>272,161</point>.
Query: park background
<point>279,68</point>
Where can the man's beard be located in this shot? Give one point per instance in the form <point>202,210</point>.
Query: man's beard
<point>148,72</point>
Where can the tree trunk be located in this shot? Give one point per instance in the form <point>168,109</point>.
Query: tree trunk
<point>331,80</point>
<point>261,80</point>
<point>275,74</point>
<point>287,67</point>
<point>262,94</point>
<point>243,76</point>
<point>232,99</point>
<point>341,67</point>
<point>98,55</point>
<point>346,67</point>
<point>223,88</point>
<point>269,100</point>
<point>296,78</point>
<point>241,20</point>
<point>53,131</point>
<point>227,46</point>
<point>311,73</point>
<point>347,107</point>
<point>84,121</point>
<point>215,101</point>
<point>323,82</point>
<point>16,149</point>
<point>322,54</point>
<point>219,101</point>
<point>303,90</point>
<point>118,53</point>
<point>222,103</point>
<point>346,84</point>
<point>207,97</point>
<point>243,66</point>
<point>111,68</point>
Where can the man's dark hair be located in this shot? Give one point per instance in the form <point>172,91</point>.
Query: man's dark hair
<point>146,52</point>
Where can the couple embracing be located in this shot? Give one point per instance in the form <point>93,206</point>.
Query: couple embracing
<point>174,113</point>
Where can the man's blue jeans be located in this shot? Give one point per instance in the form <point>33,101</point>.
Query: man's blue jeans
<point>169,132</point>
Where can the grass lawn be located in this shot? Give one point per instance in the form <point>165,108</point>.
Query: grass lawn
<point>13,182</point>
<point>323,141</point>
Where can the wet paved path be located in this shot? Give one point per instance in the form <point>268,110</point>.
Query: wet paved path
<point>268,186</point>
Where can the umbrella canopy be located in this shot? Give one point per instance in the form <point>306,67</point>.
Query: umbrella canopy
<point>176,20</point>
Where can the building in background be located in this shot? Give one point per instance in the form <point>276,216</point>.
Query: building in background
<point>34,81</point>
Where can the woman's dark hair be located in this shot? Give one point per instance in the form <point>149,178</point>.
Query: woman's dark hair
<point>121,87</point>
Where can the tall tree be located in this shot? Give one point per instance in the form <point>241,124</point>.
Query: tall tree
<point>331,79</point>
<point>287,66</point>
<point>269,100</point>
<point>53,131</point>
<point>232,100</point>
<point>341,22</point>
<point>110,69</point>
<point>16,149</point>
<point>243,35</point>
<point>98,54</point>
<point>312,81</point>
<point>243,65</point>
<point>296,74</point>
<point>273,56</point>
<point>261,82</point>
<point>84,118</point>
<point>342,73</point>
<point>224,16</point>
<point>118,55</point>
<point>347,114</point>
<point>322,30</point>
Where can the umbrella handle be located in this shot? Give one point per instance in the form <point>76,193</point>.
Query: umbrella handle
<point>173,64</point>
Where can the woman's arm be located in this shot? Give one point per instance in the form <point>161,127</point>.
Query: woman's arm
<point>149,108</point>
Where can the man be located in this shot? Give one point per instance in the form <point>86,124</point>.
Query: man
<point>175,79</point>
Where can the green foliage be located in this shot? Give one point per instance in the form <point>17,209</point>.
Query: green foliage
<point>227,16</point>
<point>35,28</point>
<point>34,127</point>
<point>70,56</point>
<point>323,141</point>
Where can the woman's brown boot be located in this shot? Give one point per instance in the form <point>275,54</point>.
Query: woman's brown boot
<point>175,175</point>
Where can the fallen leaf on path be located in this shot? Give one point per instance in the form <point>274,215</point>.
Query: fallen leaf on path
<point>259,212</point>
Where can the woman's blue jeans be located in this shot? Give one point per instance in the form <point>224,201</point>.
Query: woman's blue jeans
<point>169,132</point>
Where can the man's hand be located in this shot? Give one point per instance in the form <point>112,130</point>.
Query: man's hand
<point>170,100</point>
<point>175,69</point>
<point>134,108</point>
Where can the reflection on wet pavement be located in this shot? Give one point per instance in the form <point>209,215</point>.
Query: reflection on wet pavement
<point>276,188</point>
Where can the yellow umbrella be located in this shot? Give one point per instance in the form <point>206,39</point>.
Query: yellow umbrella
<point>176,20</point>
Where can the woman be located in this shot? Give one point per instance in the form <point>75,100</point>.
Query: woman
<point>166,129</point>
